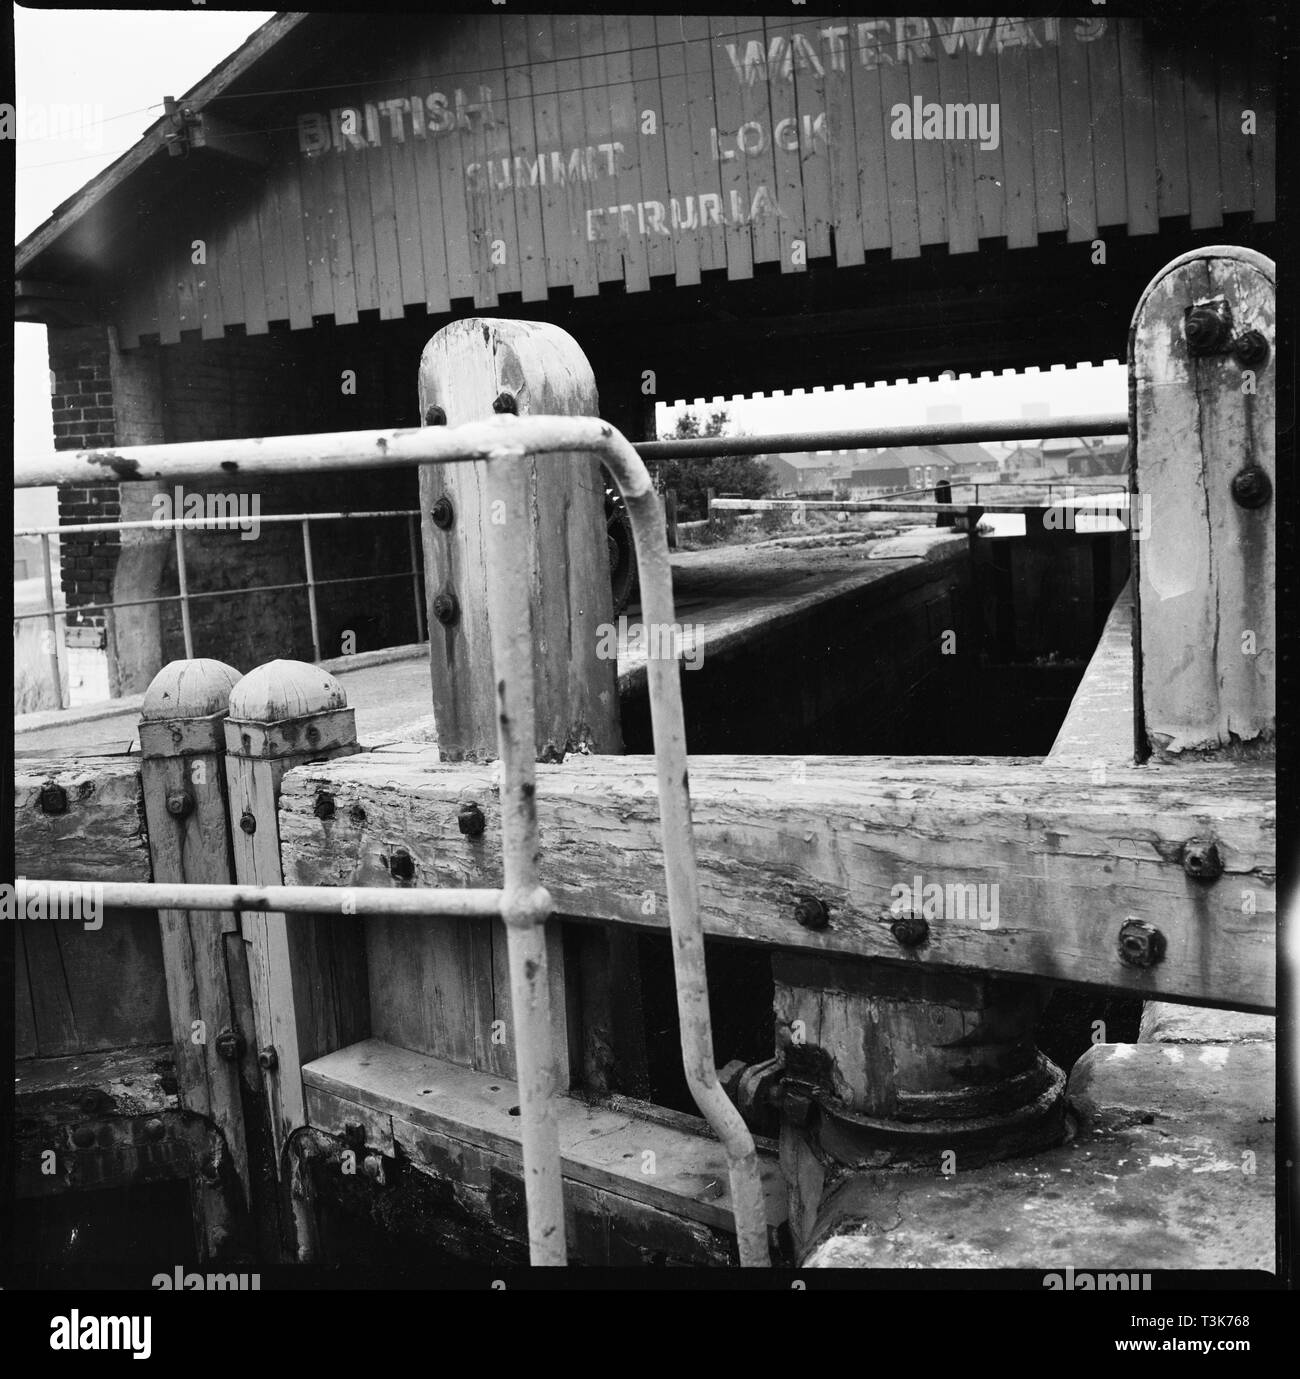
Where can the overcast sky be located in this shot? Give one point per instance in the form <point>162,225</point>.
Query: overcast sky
<point>109,71</point>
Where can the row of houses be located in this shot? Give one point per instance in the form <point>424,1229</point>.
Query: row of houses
<point>863,474</point>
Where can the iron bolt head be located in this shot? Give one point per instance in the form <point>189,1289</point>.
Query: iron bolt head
<point>470,820</point>
<point>1206,326</point>
<point>324,807</point>
<point>443,513</point>
<point>401,866</point>
<point>247,822</point>
<point>434,415</point>
<point>154,1129</point>
<point>83,1136</point>
<point>1251,348</point>
<point>180,804</point>
<point>506,404</point>
<point>230,1045</point>
<point>1201,859</point>
<point>268,1060</point>
<point>54,799</point>
<point>1251,487</point>
<point>911,930</point>
<point>446,608</point>
<point>1140,944</point>
<point>811,912</point>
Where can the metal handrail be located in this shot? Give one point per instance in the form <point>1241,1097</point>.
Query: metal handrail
<point>185,596</point>
<point>524,904</point>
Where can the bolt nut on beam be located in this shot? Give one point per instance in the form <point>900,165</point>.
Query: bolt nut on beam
<point>811,912</point>
<point>443,513</point>
<point>230,1045</point>
<point>470,820</point>
<point>506,405</point>
<point>268,1060</point>
<point>446,608</point>
<point>1207,326</point>
<point>911,930</point>
<point>324,806</point>
<point>1201,859</point>
<point>83,1136</point>
<point>434,415</point>
<point>247,822</point>
<point>1250,348</point>
<point>180,804</point>
<point>53,799</point>
<point>1251,487</point>
<point>154,1129</point>
<point>1140,944</point>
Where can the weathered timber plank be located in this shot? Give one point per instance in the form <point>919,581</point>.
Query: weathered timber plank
<point>1072,859</point>
<point>101,837</point>
<point>648,1161</point>
<point>480,1211</point>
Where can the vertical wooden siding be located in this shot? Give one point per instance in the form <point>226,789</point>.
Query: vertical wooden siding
<point>576,151</point>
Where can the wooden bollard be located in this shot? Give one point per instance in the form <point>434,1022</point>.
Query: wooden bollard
<point>1202,372</point>
<point>308,973</point>
<point>470,370</point>
<point>183,774</point>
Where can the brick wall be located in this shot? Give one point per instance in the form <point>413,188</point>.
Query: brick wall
<point>82,403</point>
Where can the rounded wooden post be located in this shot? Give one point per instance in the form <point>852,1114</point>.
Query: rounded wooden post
<point>183,776</point>
<point>1203,398</point>
<point>470,370</point>
<point>308,973</point>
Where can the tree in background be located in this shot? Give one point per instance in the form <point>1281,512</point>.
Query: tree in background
<point>745,475</point>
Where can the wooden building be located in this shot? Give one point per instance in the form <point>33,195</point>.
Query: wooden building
<point>709,206</point>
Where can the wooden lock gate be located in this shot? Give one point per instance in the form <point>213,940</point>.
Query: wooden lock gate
<point>1203,715</point>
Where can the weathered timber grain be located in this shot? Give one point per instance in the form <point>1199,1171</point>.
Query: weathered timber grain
<point>1072,859</point>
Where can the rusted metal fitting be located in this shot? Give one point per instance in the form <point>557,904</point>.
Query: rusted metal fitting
<point>443,513</point>
<point>1207,326</point>
<point>324,806</point>
<point>470,820</point>
<point>434,415</point>
<point>84,1136</point>
<point>1251,487</point>
<point>154,1129</point>
<point>230,1045</point>
<point>1250,349</point>
<point>1201,859</point>
<point>247,822</point>
<point>729,1076</point>
<point>373,1167</point>
<point>795,1102</point>
<point>267,1059</point>
<point>506,404</point>
<point>446,608</point>
<point>811,912</point>
<point>53,799</point>
<point>910,929</point>
<point>401,866</point>
<point>180,804</point>
<point>1140,944</point>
